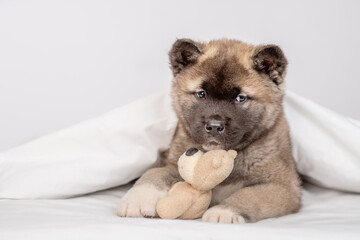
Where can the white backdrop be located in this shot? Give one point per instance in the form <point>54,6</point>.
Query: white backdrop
<point>66,61</point>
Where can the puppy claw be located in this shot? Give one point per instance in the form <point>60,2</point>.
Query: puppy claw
<point>220,214</point>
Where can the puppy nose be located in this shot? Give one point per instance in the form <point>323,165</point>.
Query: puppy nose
<point>214,127</point>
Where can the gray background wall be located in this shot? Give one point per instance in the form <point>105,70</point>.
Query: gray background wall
<point>62,62</point>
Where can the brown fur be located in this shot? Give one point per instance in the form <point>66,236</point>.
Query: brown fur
<point>256,129</point>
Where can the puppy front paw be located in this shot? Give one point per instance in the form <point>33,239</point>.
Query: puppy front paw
<point>222,214</point>
<point>140,201</point>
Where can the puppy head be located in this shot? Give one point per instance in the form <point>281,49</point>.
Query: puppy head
<point>226,93</point>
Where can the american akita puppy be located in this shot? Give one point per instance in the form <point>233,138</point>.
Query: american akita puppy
<point>228,95</point>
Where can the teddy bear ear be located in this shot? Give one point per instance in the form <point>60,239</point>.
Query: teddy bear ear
<point>232,153</point>
<point>217,162</point>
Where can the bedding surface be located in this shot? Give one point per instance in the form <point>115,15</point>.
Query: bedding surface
<point>326,214</point>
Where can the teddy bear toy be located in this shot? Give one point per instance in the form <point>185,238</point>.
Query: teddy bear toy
<point>201,172</point>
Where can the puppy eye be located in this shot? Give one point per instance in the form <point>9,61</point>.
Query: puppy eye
<point>200,94</point>
<point>241,98</point>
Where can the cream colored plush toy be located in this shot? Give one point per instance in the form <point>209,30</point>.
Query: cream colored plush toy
<point>201,172</point>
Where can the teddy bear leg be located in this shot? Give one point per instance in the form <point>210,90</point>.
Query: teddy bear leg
<point>200,205</point>
<point>174,205</point>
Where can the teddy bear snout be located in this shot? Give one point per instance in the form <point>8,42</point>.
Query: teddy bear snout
<point>191,151</point>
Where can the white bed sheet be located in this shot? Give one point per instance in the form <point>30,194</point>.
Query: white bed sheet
<point>326,214</point>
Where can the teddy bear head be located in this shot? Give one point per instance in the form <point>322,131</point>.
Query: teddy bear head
<point>206,170</point>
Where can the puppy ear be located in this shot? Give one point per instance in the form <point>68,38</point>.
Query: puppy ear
<point>183,53</point>
<point>270,60</point>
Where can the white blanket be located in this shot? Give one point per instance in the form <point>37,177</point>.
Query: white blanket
<point>119,146</point>
<point>325,214</point>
